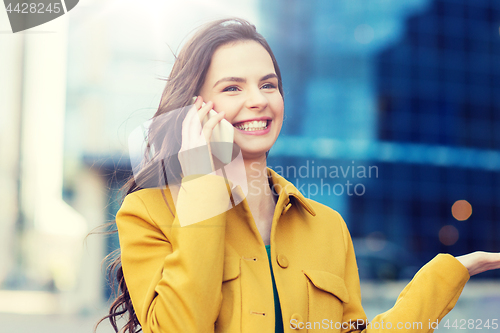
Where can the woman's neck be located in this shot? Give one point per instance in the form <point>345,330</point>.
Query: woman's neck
<point>257,178</point>
<point>260,198</point>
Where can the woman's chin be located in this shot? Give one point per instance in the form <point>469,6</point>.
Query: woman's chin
<point>254,149</point>
<point>254,154</point>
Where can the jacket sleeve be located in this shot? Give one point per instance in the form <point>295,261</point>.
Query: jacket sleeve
<point>175,281</point>
<point>429,296</point>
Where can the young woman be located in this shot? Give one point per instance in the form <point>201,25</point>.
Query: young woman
<point>194,258</point>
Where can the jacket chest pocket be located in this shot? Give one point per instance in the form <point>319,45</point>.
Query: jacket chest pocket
<point>327,294</point>
<point>229,319</point>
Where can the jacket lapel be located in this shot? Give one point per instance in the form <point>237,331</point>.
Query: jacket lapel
<point>281,185</point>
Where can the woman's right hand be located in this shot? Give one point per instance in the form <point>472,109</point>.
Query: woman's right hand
<point>195,155</point>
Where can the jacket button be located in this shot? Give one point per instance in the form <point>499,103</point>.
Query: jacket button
<point>282,261</point>
<point>296,322</point>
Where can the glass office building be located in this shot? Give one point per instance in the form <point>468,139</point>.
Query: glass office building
<point>409,89</point>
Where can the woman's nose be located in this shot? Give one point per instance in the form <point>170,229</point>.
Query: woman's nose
<point>256,100</point>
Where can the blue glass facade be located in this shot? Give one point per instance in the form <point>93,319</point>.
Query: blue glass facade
<point>409,87</point>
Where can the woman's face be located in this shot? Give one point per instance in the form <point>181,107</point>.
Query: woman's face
<point>242,82</point>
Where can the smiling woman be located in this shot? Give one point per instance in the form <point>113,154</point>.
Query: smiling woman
<point>271,262</point>
<point>242,82</point>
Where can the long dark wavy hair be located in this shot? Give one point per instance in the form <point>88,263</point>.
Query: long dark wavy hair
<point>185,81</point>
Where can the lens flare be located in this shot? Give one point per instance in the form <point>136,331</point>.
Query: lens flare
<point>461,210</point>
<point>448,235</point>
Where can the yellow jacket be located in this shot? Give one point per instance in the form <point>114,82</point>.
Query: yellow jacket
<point>214,276</point>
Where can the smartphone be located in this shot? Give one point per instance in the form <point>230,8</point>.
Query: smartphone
<point>222,138</point>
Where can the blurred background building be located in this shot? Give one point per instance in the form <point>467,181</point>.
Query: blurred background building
<point>392,112</point>
<point>408,87</point>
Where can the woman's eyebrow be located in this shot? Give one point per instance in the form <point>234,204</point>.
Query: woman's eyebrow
<point>232,79</point>
<point>240,79</point>
<point>269,76</point>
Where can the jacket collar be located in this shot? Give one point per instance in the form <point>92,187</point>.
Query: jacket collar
<point>280,184</point>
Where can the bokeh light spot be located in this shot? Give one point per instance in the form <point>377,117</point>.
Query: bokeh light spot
<point>376,241</point>
<point>448,235</point>
<point>461,210</point>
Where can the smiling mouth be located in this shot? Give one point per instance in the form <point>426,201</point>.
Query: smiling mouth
<point>255,125</point>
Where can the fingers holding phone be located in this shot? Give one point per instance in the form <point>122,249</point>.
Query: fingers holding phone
<point>218,132</point>
<point>198,130</point>
<point>209,119</point>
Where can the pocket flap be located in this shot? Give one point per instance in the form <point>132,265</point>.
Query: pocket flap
<point>231,268</point>
<point>328,282</point>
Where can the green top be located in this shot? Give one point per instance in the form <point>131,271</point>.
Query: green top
<point>277,308</point>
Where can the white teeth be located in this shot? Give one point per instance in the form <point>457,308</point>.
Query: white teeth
<point>254,125</point>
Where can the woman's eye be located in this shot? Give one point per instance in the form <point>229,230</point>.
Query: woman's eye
<point>269,86</point>
<point>232,88</point>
